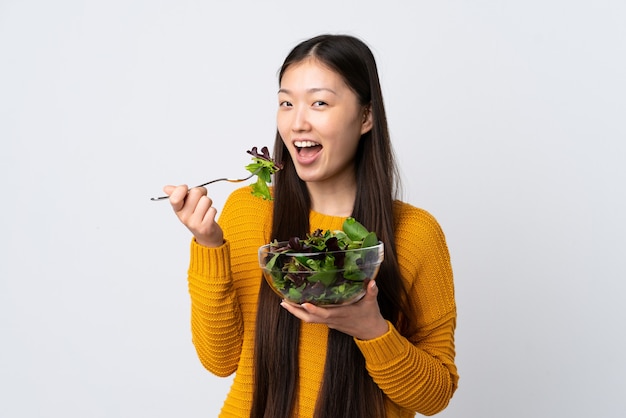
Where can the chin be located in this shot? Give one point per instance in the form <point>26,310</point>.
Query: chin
<point>306,177</point>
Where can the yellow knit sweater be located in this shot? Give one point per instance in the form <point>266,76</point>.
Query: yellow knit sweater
<point>416,372</point>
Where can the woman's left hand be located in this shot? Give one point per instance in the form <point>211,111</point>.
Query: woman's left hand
<point>361,320</point>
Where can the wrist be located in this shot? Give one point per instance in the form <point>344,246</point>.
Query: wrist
<point>208,243</point>
<point>378,330</point>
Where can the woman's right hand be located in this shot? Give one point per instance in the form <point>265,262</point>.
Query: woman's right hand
<point>195,210</point>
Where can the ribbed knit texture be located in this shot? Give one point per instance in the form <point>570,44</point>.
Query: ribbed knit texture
<point>417,372</point>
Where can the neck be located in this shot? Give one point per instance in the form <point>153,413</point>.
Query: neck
<point>335,199</point>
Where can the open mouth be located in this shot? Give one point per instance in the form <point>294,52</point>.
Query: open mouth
<point>307,148</point>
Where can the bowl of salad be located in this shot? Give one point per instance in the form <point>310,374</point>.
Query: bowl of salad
<point>325,268</point>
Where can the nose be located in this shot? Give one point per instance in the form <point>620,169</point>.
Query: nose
<point>300,121</point>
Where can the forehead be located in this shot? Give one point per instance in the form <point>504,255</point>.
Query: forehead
<point>311,74</point>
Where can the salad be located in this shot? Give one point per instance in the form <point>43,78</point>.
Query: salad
<point>326,267</point>
<point>263,166</point>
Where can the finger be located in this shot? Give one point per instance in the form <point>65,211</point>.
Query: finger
<point>312,309</point>
<point>177,196</point>
<point>197,192</point>
<point>297,311</point>
<point>190,201</point>
<point>210,214</point>
<point>201,208</point>
<point>201,204</point>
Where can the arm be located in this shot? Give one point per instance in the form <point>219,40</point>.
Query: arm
<point>417,372</point>
<point>223,282</point>
<point>418,376</point>
<point>216,320</point>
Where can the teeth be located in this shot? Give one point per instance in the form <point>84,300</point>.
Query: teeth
<point>305,144</point>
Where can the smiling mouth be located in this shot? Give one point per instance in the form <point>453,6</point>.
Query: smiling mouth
<point>307,148</point>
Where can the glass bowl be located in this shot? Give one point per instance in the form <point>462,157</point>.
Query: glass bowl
<point>331,278</point>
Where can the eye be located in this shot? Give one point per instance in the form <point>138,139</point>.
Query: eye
<point>285,103</point>
<point>319,103</point>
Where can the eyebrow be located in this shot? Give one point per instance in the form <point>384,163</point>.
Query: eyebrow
<point>311,90</point>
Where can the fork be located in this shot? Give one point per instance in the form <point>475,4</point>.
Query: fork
<point>210,182</point>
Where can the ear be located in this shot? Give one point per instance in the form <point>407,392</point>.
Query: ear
<point>367,124</point>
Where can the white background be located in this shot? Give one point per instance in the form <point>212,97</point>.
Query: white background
<point>508,119</point>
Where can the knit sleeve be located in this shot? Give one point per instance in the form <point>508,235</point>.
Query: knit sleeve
<point>417,372</point>
<point>224,282</point>
<point>216,322</point>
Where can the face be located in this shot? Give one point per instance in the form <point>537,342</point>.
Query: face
<point>320,121</point>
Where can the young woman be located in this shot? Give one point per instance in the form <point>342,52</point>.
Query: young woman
<point>389,355</point>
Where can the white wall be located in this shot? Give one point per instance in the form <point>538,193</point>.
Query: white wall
<point>508,120</point>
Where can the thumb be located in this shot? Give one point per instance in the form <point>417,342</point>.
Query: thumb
<point>168,189</point>
<point>372,290</point>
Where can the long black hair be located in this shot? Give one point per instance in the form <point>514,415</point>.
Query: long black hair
<point>347,389</point>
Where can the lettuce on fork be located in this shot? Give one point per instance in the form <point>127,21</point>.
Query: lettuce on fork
<point>263,166</point>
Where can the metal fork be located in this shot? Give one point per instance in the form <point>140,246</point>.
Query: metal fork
<point>212,181</point>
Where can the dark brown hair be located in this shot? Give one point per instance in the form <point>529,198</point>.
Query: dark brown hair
<point>347,388</point>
